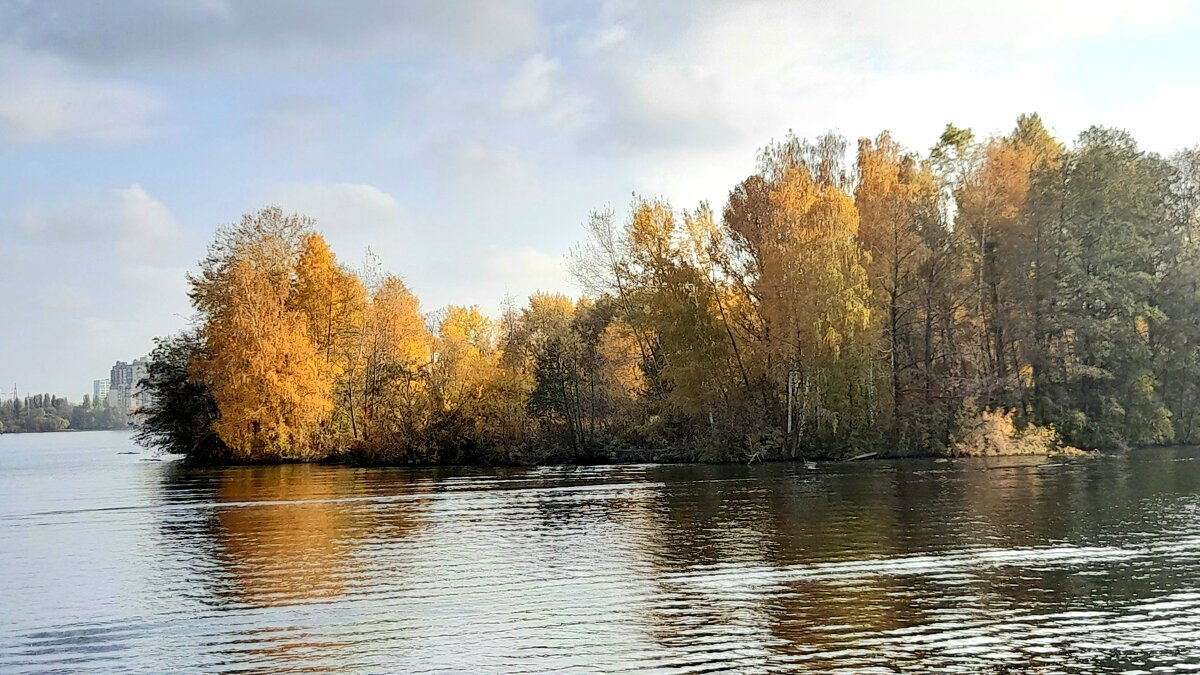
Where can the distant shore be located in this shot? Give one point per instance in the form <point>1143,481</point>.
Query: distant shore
<point>60,431</point>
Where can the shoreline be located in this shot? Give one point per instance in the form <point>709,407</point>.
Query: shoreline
<point>662,457</point>
<point>613,461</point>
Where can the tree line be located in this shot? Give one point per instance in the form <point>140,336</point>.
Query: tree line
<point>45,412</point>
<point>845,299</point>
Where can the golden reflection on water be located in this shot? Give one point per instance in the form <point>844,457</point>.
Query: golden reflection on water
<point>281,534</point>
<point>292,533</point>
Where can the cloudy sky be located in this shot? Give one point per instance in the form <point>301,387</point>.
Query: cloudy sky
<point>466,142</point>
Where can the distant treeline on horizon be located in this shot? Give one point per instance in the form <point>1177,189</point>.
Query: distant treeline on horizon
<point>842,300</point>
<point>45,412</point>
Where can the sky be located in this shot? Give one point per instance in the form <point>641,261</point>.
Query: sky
<point>465,143</point>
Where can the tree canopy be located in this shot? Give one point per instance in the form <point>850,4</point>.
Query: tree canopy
<point>843,300</point>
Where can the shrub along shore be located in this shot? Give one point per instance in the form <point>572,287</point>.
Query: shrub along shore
<point>1002,295</point>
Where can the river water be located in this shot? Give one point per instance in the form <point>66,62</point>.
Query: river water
<point>115,562</point>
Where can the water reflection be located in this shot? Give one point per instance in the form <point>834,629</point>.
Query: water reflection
<point>930,563</point>
<point>1006,564</point>
<point>283,534</point>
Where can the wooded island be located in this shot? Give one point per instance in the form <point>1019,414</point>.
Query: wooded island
<point>1009,294</point>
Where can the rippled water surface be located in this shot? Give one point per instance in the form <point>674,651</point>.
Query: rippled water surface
<point>109,561</point>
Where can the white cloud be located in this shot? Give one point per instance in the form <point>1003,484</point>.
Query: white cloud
<point>533,88</point>
<point>489,276</point>
<point>684,110</point>
<point>100,276</point>
<point>129,224</point>
<point>353,218</point>
<point>299,122</point>
<point>607,37</point>
<point>537,88</point>
<point>47,100</point>
<point>522,272</point>
<point>145,225</point>
<point>488,181</point>
<point>163,286</point>
<point>938,28</point>
<point>342,207</point>
<point>444,256</point>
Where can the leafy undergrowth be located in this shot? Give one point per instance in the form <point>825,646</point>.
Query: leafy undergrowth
<point>989,433</point>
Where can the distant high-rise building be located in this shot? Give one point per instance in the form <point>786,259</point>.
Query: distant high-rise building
<point>140,398</point>
<point>124,392</point>
<point>100,391</point>
<point>121,375</point>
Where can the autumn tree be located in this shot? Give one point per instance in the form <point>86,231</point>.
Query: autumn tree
<point>604,266</point>
<point>544,344</point>
<point>269,239</point>
<point>271,386</point>
<point>689,350</point>
<point>1003,243</point>
<point>893,193</point>
<point>812,288</point>
<point>332,300</point>
<point>386,392</point>
<point>478,409</point>
<point>333,303</point>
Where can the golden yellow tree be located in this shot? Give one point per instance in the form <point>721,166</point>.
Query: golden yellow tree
<point>621,379</point>
<point>394,349</point>
<point>478,405</point>
<point>820,285</point>
<point>467,358</point>
<point>690,350</point>
<point>269,382</point>
<point>795,228</point>
<point>333,303</point>
<point>269,238</point>
<point>331,298</point>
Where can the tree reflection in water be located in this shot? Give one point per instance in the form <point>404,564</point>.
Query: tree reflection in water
<point>282,533</point>
<point>913,564</point>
